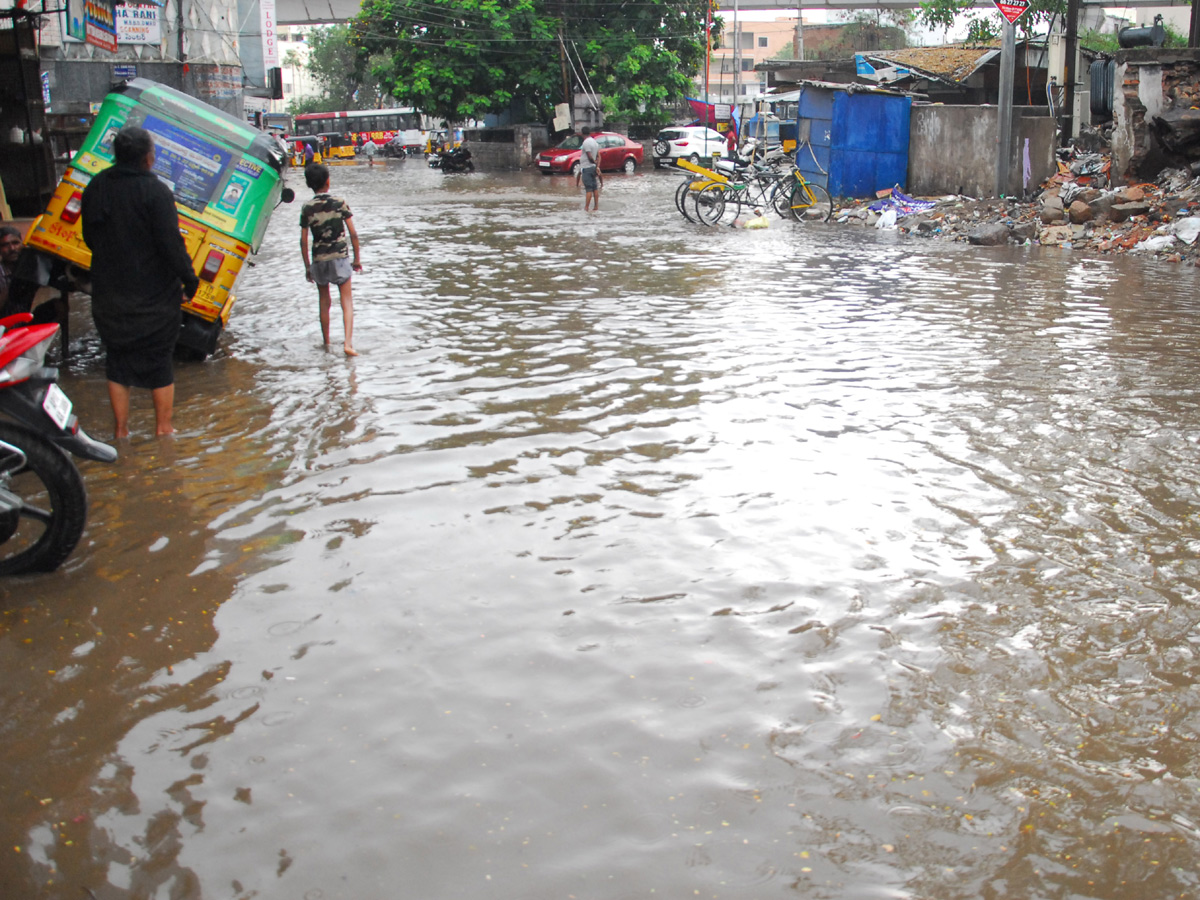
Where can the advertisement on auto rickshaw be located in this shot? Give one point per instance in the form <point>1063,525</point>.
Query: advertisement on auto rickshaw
<point>226,177</point>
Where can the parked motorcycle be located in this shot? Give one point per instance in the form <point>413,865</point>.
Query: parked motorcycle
<point>43,501</point>
<point>456,160</point>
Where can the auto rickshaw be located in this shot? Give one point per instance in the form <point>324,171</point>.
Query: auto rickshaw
<point>319,145</point>
<point>225,174</point>
<point>340,146</point>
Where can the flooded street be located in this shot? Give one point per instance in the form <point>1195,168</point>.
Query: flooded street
<point>630,559</point>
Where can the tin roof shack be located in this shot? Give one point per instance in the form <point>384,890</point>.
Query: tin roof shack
<point>851,139</point>
<point>953,137</point>
<point>1154,125</point>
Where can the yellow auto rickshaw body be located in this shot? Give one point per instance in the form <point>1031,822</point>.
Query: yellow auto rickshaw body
<point>340,146</point>
<point>319,145</point>
<point>226,177</point>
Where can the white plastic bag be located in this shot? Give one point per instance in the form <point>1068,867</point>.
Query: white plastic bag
<point>1187,230</point>
<point>887,219</point>
<point>1156,242</point>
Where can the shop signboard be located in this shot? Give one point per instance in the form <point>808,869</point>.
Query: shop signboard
<point>138,24</point>
<point>101,27</point>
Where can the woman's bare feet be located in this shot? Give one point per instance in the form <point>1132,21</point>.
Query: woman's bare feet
<point>350,351</point>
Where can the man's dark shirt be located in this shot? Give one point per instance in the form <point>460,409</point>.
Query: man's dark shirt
<point>140,264</point>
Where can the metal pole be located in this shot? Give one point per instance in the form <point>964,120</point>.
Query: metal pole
<point>737,55</point>
<point>1008,54</point>
<point>1068,131</point>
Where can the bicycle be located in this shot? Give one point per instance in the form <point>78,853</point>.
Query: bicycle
<point>759,187</point>
<point>806,201</point>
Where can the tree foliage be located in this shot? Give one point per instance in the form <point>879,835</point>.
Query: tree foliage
<point>345,76</point>
<point>878,29</point>
<point>460,59</point>
<point>984,26</point>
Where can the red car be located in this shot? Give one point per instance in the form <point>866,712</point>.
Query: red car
<point>617,153</point>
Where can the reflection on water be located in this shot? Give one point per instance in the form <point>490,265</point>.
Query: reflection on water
<point>632,558</point>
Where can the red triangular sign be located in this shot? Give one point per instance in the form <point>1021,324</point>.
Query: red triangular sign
<point>1012,9</point>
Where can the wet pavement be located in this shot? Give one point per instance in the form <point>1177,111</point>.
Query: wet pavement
<point>631,559</point>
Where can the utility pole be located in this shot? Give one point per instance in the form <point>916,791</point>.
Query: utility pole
<point>1068,130</point>
<point>1008,54</point>
<point>798,39</point>
<point>737,55</point>
<point>562,60</point>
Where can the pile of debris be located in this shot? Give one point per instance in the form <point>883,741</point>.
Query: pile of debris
<point>1076,209</point>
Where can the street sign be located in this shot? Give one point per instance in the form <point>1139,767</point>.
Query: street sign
<point>1012,9</point>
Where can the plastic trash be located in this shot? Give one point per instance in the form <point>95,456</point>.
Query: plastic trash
<point>1187,230</point>
<point>1156,242</point>
<point>887,219</point>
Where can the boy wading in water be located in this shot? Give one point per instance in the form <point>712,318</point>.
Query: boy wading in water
<point>329,219</point>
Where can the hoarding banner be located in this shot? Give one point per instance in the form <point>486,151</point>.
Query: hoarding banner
<point>101,25</point>
<point>76,21</point>
<point>138,24</point>
<point>190,165</point>
<point>270,35</point>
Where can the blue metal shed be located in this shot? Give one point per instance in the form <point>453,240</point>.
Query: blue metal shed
<point>851,140</point>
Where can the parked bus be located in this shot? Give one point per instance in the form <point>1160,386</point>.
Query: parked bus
<point>380,125</point>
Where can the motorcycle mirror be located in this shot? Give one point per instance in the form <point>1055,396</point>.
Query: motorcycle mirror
<point>287,195</point>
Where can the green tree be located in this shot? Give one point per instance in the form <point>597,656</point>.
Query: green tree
<point>345,76</point>
<point>459,59</point>
<point>877,29</point>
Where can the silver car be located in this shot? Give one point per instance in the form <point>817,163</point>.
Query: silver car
<point>690,142</point>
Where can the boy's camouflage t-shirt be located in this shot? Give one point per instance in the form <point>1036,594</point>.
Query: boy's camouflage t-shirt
<point>324,214</point>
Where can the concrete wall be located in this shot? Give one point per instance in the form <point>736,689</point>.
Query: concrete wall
<point>514,150</point>
<point>952,150</point>
<point>76,82</point>
<point>1148,81</point>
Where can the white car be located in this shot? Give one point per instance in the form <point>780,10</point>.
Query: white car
<point>690,142</point>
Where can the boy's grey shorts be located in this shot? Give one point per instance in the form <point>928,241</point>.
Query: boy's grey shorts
<point>331,271</point>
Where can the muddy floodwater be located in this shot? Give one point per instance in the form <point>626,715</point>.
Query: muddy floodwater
<point>630,559</point>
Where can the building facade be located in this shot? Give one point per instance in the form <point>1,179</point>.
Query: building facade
<point>743,45</point>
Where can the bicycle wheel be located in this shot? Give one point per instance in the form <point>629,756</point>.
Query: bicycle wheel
<point>681,193</point>
<point>781,198</point>
<point>687,200</point>
<point>810,203</point>
<point>710,204</point>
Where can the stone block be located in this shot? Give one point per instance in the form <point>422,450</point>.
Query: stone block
<point>1080,212</point>
<point>1121,212</point>
<point>989,235</point>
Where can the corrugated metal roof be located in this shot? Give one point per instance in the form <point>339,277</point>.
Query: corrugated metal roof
<point>851,88</point>
<point>956,62</point>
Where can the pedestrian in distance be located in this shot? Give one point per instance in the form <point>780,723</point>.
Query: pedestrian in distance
<point>11,246</point>
<point>589,171</point>
<point>369,149</point>
<point>330,220</point>
<point>141,274</point>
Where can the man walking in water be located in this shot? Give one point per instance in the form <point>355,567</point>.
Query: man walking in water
<point>589,170</point>
<point>141,274</point>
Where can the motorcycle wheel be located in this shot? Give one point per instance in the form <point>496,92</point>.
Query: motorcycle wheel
<point>49,523</point>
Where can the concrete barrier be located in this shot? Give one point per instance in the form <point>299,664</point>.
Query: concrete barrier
<point>952,150</point>
<point>513,147</point>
